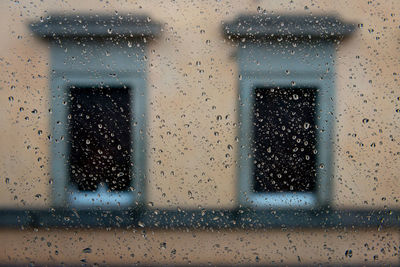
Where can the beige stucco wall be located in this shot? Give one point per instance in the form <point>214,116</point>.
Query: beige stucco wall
<point>201,247</point>
<point>195,166</point>
<point>198,168</point>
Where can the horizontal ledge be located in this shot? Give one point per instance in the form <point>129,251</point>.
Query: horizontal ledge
<point>199,219</point>
<point>293,26</point>
<point>58,26</point>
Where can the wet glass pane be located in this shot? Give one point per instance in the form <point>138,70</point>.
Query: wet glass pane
<point>100,140</point>
<point>284,141</point>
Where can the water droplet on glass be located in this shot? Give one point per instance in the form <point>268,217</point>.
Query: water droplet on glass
<point>163,245</point>
<point>87,250</point>
<point>348,253</point>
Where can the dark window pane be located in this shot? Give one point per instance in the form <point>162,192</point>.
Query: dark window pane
<point>284,142</point>
<point>100,138</point>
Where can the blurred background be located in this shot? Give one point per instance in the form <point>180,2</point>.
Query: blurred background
<point>182,203</point>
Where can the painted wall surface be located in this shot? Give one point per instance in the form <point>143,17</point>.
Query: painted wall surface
<point>193,79</point>
<point>201,247</point>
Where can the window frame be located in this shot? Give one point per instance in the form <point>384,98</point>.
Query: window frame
<point>89,50</point>
<point>324,120</point>
<point>275,51</point>
<point>63,192</point>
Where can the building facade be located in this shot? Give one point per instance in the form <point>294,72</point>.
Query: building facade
<point>199,132</point>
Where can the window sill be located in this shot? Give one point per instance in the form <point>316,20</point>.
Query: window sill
<point>199,219</point>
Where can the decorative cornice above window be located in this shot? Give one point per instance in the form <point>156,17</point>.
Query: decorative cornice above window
<point>296,26</point>
<point>60,26</point>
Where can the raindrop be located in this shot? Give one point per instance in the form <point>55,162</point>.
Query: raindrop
<point>87,250</point>
<point>348,253</point>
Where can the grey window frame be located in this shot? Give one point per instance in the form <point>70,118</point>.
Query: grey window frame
<point>287,52</point>
<point>97,51</point>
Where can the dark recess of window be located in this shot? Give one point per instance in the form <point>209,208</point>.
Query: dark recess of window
<point>100,138</point>
<point>284,139</point>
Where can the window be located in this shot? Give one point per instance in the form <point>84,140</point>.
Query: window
<point>98,94</point>
<point>286,108</point>
<point>284,140</point>
<point>100,142</point>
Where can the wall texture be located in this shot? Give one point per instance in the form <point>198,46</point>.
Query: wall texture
<point>192,79</point>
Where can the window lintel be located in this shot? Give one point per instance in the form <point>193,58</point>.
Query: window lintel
<point>260,26</point>
<point>58,26</point>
